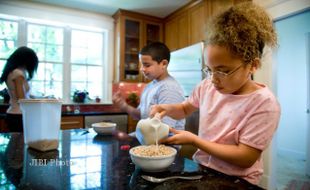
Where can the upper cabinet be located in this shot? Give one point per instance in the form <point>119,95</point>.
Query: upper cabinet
<point>132,32</point>
<point>197,20</point>
<point>187,25</point>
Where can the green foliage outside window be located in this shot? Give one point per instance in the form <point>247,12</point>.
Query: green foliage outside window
<point>8,38</point>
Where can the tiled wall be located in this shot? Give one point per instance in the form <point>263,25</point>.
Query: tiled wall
<point>125,88</point>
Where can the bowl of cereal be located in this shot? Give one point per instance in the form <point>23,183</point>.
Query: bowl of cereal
<point>152,158</point>
<point>104,128</point>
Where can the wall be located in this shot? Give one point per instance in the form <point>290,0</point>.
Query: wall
<point>268,75</point>
<point>282,8</point>
<point>126,88</point>
<point>277,9</point>
<point>292,73</point>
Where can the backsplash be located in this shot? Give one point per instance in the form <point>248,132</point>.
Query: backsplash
<point>126,88</point>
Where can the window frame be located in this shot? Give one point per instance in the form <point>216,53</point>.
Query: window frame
<point>87,64</point>
<point>22,40</point>
<point>2,86</point>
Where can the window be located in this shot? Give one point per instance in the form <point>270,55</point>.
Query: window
<point>47,42</point>
<point>8,41</point>
<point>69,59</point>
<point>86,62</point>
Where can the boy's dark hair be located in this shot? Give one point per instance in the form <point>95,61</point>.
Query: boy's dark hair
<point>21,57</point>
<point>157,50</point>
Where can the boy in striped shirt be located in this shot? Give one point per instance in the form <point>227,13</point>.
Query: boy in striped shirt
<point>163,89</point>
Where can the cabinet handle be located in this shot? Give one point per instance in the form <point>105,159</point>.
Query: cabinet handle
<point>70,122</point>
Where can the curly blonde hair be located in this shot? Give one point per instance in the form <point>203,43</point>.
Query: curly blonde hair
<point>244,29</point>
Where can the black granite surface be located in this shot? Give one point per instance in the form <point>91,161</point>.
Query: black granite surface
<point>4,107</point>
<point>92,113</point>
<point>85,160</point>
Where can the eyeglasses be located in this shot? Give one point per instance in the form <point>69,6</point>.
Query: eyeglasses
<point>219,74</point>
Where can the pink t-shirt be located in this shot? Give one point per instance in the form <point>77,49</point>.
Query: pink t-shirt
<point>249,119</point>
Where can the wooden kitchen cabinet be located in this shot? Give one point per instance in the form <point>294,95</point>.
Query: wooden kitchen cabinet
<point>131,124</point>
<point>214,7</point>
<point>132,32</point>
<point>187,25</point>
<point>183,32</point>
<point>171,31</point>
<point>3,126</point>
<point>72,122</point>
<point>197,21</point>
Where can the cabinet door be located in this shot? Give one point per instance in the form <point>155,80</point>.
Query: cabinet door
<point>219,5</point>
<point>177,32</point>
<point>153,33</point>
<point>132,45</point>
<point>3,127</point>
<point>132,32</point>
<point>183,32</point>
<point>171,34</point>
<point>197,24</point>
<point>72,122</point>
<point>131,124</point>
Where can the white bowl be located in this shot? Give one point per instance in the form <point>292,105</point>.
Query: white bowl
<point>152,163</point>
<point>104,127</point>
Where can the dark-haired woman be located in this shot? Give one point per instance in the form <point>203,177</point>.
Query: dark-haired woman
<point>19,69</point>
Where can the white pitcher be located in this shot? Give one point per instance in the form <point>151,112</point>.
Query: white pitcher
<point>150,129</point>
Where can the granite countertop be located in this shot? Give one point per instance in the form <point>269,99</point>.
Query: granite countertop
<point>85,160</point>
<point>88,113</point>
<point>83,110</point>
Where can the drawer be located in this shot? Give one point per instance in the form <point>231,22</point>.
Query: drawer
<point>72,122</point>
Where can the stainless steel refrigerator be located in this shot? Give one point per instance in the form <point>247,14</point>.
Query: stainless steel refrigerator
<point>185,66</point>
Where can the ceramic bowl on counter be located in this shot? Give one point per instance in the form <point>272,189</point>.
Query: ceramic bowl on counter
<point>104,128</point>
<point>144,157</point>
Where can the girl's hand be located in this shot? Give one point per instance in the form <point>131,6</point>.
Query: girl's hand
<point>157,110</point>
<point>180,137</point>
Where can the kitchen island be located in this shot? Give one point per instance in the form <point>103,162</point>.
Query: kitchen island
<point>85,160</point>
<point>76,116</point>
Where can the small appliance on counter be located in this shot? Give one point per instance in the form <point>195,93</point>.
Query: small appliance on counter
<point>41,123</point>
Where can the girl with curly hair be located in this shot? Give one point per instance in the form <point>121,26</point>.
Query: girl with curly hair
<point>238,116</point>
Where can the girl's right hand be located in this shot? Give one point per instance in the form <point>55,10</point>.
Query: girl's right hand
<point>157,110</point>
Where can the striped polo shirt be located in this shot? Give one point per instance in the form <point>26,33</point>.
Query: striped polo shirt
<point>166,91</point>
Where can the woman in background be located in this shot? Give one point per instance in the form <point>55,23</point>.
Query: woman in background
<point>19,69</point>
